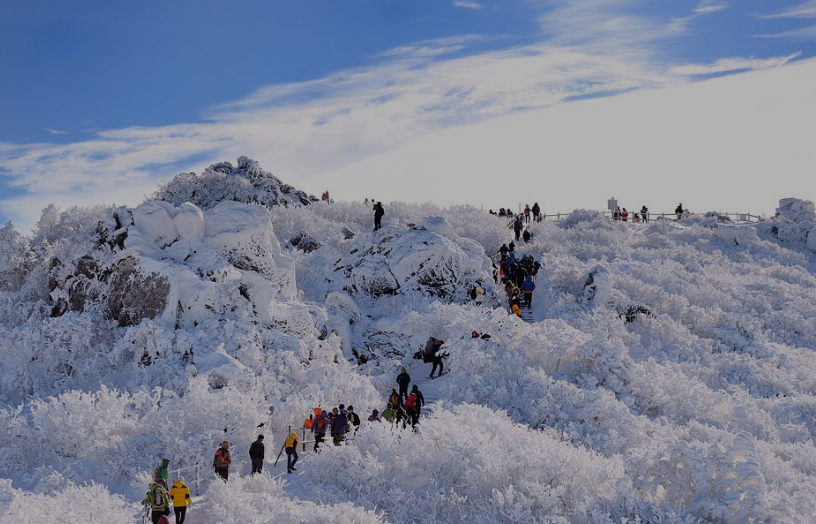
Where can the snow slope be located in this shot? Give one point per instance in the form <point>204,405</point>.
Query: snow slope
<point>132,334</point>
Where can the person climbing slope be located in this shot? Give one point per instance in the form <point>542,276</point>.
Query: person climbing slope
<point>319,427</point>
<point>403,380</point>
<point>158,500</point>
<point>180,494</point>
<point>432,354</point>
<point>527,287</point>
<point>291,445</point>
<point>222,460</point>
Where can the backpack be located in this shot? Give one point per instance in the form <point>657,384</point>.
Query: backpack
<point>410,402</point>
<point>320,425</point>
<point>473,293</point>
<point>158,497</point>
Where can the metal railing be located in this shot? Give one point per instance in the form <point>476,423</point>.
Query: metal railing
<point>736,218</point>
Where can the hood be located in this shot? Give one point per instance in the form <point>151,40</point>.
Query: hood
<point>179,484</point>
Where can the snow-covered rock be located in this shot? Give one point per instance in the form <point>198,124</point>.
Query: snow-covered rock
<point>429,259</point>
<point>795,221</point>
<point>247,183</point>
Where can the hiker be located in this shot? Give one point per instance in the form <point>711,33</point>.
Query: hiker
<point>378,214</point>
<point>375,416</point>
<point>679,211</point>
<point>353,418</point>
<point>411,408</point>
<point>644,213</point>
<point>477,292</point>
<point>536,212</point>
<point>616,214</point>
<point>527,213</point>
<point>180,494</point>
<point>319,426</point>
<point>389,413</point>
<point>511,249</point>
<point>256,455</point>
<point>403,379</point>
<point>432,354</point>
<point>420,400</point>
<point>503,250</point>
<point>161,471</point>
<point>291,445</point>
<point>339,426</point>
<point>526,236</point>
<point>222,460</point>
<point>158,500</point>
<point>501,212</point>
<point>515,310</point>
<point>396,399</point>
<point>528,287</point>
<point>518,225</point>
<point>624,214</point>
<point>635,217</point>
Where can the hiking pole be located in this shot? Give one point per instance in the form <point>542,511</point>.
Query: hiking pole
<point>282,448</point>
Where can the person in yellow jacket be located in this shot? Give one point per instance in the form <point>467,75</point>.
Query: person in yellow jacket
<point>180,494</point>
<point>291,445</point>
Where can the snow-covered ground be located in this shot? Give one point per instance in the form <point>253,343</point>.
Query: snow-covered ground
<point>678,386</point>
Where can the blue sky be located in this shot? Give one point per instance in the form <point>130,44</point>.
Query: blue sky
<point>101,101</point>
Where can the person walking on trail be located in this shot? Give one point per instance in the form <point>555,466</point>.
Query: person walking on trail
<point>394,398</point>
<point>375,416</point>
<point>180,495</point>
<point>389,413</point>
<point>527,288</point>
<point>503,250</point>
<point>256,455</point>
<point>378,214</point>
<point>536,212</point>
<point>420,401</point>
<point>339,426</point>
<point>291,445</point>
<point>411,408</point>
<point>624,214</point>
<point>679,211</point>
<point>319,427</point>
<point>644,213</point>
<point>432,354</point>
<point>616,214</point>
<point>527,236</point>
<point>222,460</point>
<point>527,213</point>
<point>158,500</point>
<point>161,471</point>
<point>403,380</point>
<point>518,225</point>
<point>354,418</point>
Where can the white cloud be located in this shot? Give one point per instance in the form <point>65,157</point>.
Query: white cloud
<point>710,6</point>
<point>54,131</point>
<point>468,5</point>
<point>806,10</point>
<point>726,65</point>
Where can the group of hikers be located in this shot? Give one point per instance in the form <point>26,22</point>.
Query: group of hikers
<point>158,498</point>
<point>528,214</point>
<point>643,215</point>
<point>518,277</point>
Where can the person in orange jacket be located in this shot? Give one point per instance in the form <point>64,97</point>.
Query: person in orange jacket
<point>180,494</point>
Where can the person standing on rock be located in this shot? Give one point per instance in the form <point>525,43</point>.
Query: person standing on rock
<point>378,214</point>
<point>256,455</point>
<point>403,380</point>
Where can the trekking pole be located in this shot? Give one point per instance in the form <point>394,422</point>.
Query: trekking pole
<point>282,448</point>
<point>198,476</point>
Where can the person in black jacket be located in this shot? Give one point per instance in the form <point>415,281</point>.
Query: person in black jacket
<point>403,379</point>
<point>256,455</point>
<point>378,214</point>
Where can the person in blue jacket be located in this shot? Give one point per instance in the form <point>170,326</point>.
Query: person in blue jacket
<point>527,287</point>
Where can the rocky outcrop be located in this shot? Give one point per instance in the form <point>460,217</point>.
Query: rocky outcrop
<point>794,223</point>
<point>247,183</point>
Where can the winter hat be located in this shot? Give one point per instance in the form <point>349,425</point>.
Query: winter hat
<point>375,412</point>
<point>260,437</point>
<point>402,369</point>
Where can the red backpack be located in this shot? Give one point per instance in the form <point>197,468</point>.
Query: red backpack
<point>410,402</point>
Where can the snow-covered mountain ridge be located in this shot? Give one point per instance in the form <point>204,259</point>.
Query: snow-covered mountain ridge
<point>130,334</point>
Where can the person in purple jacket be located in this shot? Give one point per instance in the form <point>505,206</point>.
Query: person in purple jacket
<point>319,427</point>
<point>339,426</point>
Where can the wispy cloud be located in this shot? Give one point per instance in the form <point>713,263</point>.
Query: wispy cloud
<point>726,65</point>
<point>468,5</point>
<point>54,131</point>
<point>806,10</point>
<point>710,6</point>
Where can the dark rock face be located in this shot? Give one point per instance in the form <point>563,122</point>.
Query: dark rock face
<point>304,242</point>
<point>134,295</point>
